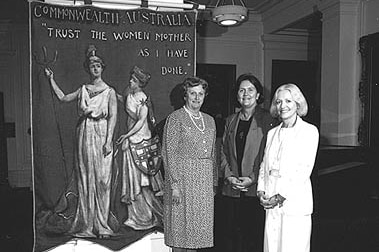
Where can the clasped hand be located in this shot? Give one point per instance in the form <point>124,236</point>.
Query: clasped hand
<point>240,183</point>
<point>269,202</point>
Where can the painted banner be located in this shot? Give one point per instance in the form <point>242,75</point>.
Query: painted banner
<point>72,47</point>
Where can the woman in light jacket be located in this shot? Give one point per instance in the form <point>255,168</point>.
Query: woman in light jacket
<point>284,185</point>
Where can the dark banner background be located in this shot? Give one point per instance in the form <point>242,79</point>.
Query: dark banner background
<point>162,43</point>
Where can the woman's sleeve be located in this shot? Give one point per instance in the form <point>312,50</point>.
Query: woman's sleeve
<point>112,116</point>
<point>261,174</point>
<point>224,152</point>
<point>307,151</point>
<point>214,156</point>
<point>301,168</point>
<point>261,186</point>
<point>171,138</point>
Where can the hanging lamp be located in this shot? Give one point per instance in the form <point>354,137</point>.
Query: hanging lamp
<point>229,14</point>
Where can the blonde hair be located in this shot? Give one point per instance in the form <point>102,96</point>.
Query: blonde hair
<point>297,95</point>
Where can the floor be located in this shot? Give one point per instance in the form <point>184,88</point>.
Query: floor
<point>16,220</point>
<point>153,242</point>
<point>346,217</point>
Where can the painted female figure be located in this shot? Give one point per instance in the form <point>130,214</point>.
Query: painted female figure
<point>140,191</point>
<point>97,106</point>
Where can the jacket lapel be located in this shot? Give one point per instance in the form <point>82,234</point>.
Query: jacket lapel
<point>233,127</point>
<point>290,145</point>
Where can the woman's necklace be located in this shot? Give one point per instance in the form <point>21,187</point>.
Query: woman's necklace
<point>201,127</point>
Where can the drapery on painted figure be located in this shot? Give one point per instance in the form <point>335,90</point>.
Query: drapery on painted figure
<point>97,107</point>
<point>141,191</point>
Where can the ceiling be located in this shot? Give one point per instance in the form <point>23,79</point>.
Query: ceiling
<point>252,5</point>
<point>17,10</point>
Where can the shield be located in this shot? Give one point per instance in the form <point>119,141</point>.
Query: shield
<point>147,155</point>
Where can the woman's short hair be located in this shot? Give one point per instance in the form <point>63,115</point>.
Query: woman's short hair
<point>193,82</point>
<point>254,80</point>
<point>297,95</point>
<point>91,57</point>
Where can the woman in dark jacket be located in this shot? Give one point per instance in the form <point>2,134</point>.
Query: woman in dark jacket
<point>241,155</point>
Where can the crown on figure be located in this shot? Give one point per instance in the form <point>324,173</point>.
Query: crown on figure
<point>140,74</point>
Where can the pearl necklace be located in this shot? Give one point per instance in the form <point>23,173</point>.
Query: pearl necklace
<point>196,117</point>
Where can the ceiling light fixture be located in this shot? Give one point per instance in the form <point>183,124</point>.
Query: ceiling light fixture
<point>226,14</point>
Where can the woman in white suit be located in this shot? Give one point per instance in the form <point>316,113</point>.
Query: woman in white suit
<point>284,185</point>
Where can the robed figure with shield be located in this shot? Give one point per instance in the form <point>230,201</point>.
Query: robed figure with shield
<point>142,186</point>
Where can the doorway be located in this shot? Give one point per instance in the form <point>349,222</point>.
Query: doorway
<point>369,96</point>
<point>304,75</point>
<point>219,103</point>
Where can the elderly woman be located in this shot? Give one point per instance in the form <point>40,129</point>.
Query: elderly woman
<point>284,185</point>
<point>97,106</point>
<point>242,151</point>
<point>189,158</point>
<point>140,189</point>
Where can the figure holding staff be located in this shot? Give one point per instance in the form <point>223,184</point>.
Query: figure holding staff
<point>97,107</point>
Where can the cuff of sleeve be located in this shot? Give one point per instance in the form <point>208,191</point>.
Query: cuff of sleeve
<point>260,187</point>
<point>253,178</point>
<point>260,193</point>
<point>227,175</point>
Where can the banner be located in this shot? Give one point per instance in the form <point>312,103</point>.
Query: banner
<point>63,38</point>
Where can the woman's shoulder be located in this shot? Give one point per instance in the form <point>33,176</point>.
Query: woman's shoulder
<point>207,116</point>
<point>140,96</point>
<point>231,117</point>
<point>176,117</point>
<point>308,126</point>
<point>112,90</point>
<point>305,131</point>
<point>176,114</point>
<point>96,89</point>
<point>274,129</point>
